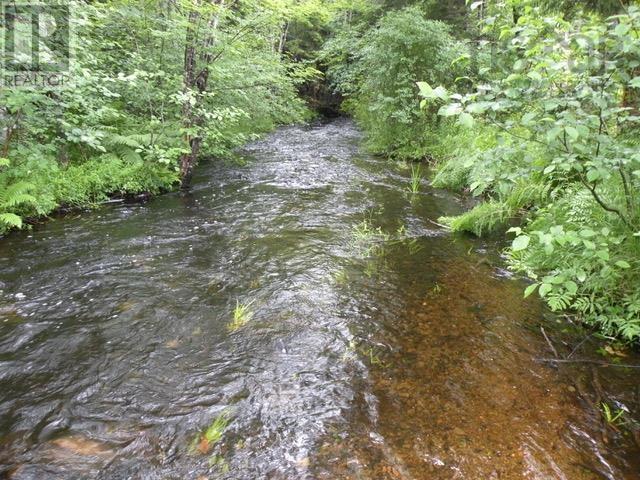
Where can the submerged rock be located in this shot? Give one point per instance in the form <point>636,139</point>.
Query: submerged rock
<point>79,446</point>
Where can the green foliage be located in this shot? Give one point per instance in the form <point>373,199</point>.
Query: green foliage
<point>367,239</point>
<point>242,314</point>
<point>402,48</point>
<point>117,126</point>
<point>207,439</point>
<point>610,417</point>
<point>562,103</point>
<point>416,178</point>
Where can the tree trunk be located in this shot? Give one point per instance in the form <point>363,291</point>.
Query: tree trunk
<point>196,83</point>
<point>283,38</point>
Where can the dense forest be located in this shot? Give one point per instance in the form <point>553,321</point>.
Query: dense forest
<point>531,107</point>
<point>387,239</point>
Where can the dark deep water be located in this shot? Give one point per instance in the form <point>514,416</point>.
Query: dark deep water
<point>379,347</point>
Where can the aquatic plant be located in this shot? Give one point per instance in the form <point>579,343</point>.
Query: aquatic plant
<point>207,439</point>
<point>611,417</point>
<point>341,277</point>
<point>367,239</point>
<point>416,178</point>
<point>242,314</point>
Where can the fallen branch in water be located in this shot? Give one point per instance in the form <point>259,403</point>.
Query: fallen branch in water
<point>553,349</point>
<point>446,227</point>
<point>593,362</point>
<point>575,349</point>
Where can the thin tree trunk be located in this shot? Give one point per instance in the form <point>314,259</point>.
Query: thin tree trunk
<point>283,38</point>
<point>195,82</point>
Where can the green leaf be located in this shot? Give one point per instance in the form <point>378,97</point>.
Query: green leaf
<point>622,264</point>
<point>572,132</point>
<point>571,287</point>
<point>544,289</point>
<point>530,289</point>
<point>476,108</point>
<point>441,93</point>
<point>450,110</point>
<point>593,175</point>
<point>426,91</point>
<point>621,30</point>
<point>520,243</point>
<point>553,134</point>
<point>465,120</point>
<point>534,75</point>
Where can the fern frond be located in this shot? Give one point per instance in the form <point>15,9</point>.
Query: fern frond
<point>11,220</point>
<point>130,156</point>
<point>114,140</point>
<point>16,194</point>
<point>18,199</point>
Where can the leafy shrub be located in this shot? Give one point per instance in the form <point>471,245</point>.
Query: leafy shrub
<point>566,158</point>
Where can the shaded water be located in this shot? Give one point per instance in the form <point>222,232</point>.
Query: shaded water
<point>379,346</point>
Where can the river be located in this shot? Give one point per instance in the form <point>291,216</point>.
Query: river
<point>368,343</point>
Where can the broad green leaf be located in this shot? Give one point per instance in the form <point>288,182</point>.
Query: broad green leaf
<point>520,243</point>
<point>441,93</point>
<point>465,120</point>
<point>426,91</point>
<point>476,108</point>
<point>544,289</point>
<point>593,175</point>
<point>528,117</point>
<point>534,75</point>
<point>530,289</point>
<point>622,264</point>
<point>450,110</point>
<point>572,132</point>
<point>571,287</point>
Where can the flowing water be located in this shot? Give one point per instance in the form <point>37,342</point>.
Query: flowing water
<point>376,345</point>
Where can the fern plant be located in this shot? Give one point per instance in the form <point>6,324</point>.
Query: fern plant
<point>12,197</point>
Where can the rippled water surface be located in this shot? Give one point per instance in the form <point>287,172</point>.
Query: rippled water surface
<point>376,346</point>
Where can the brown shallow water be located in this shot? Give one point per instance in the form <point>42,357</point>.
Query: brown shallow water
<point>380,347</point>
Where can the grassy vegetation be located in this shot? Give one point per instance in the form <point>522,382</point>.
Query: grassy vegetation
<point>204,442</point>
<point>242,314</point>
<point>416,179</point>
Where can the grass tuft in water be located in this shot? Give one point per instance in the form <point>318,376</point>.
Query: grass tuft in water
<point>367,239</point>
<point>341,277</point>
<point>206,440</point>
<point>242,314</point>
<point>416,178</point>
<point>610,417</point>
